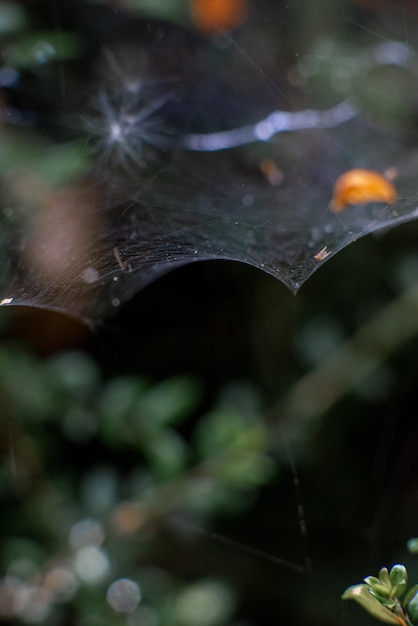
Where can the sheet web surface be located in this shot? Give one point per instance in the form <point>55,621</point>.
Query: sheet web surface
<point>180,148</point>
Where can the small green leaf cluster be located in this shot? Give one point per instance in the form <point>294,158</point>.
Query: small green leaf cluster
<point>389,586</point>
<point>386,597</point>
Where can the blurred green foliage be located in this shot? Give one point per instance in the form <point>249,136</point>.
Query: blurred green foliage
<point>82,518</point>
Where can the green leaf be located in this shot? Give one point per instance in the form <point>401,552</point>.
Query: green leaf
<point>399,577</point>
<point>412,608</point>
<point>167,453</point>
<point>385,578</point>
<point>222,428</point>
<point>42,48</point>
<point>381,590</point>
<point>398,591</point>
<point>205,603</point>
<point>412,545</point>
<point>365,598</point>
<point>170,401</point>
<point>409,595</point>
<point>12,18</point>
<point>118,407</point>
<point>74,372</point>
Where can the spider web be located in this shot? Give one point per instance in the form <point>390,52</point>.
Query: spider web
<point>187,149</point>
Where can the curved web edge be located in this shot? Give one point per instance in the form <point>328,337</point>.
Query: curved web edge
<point>95,290</point>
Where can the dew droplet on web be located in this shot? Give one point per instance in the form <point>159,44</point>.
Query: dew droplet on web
<point>247,200</point>
<point>90,275</point>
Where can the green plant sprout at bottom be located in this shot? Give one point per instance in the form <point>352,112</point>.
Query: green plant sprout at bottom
<point>387,597</point>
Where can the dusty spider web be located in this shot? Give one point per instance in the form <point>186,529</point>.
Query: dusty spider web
<point>187,149</point>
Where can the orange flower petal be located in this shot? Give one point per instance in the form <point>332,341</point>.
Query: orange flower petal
<point>360,186</point>
<point>211,16</point>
